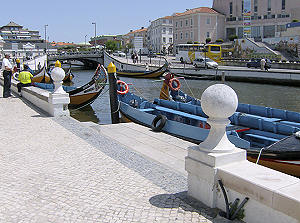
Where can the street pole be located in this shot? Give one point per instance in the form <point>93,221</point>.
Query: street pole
<point>46,39</point>
<point>85,41</point>
<point>95,33</point>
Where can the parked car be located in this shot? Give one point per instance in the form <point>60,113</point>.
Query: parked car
<point>119,54</point>
<point>205,62</point>
<point>255,62</point>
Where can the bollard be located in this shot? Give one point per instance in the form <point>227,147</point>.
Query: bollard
<point>223,77</point>
<point>113,93</point>
<point>18,64</point>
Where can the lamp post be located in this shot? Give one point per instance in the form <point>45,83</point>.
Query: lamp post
<point>46,39</point>
<point>95,33</point>
<point>85,40</point>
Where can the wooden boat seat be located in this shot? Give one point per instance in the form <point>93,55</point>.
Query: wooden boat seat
<point>184,114</point>
<point>265,118</point>
<point>262,137</point>
<point>296,124</point>
<point>146,109</point>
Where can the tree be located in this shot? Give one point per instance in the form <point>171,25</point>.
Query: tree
<point>208,40</point>
<point>189,42</point>
<point>219,41</point>
<point>196,42</point>
<point>111,45</point>
<point>232,37</point>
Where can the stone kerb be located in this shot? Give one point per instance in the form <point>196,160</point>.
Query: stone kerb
<point>274,196</point>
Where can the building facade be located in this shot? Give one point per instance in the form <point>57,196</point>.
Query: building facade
<point>196,25</point>
<point>14,33</point>
<point>160,35</point>
<point>136,38</point>
<point>268,17</point>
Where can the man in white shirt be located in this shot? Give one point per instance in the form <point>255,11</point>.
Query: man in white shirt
<point>7,73</point>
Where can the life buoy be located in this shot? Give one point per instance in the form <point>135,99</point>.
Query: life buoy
<point>16,76</point>
<point>124,87</point>
<point>161,119</point>
<point>177,84</point>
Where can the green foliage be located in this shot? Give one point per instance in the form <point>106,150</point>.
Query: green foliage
<point>196,42</point>
<point>189,42</point>
<point>111,45</point>
<point>232,37</point>
<point>241,214</point>
<point>219,41</point>
<point>208,40</point>
<point>295,20</point>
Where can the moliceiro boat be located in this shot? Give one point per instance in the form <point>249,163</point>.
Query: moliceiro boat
<point>146,74</point>
<point>253,128</point>
<point>86,94</point>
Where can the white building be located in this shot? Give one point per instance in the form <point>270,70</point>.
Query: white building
<point>160,34</point>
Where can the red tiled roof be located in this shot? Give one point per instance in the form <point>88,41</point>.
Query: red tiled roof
<point>137,31</point>
<point>197,10</point>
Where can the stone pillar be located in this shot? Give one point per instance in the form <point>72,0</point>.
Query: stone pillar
<point>59,99</point>
<point>219,102</point>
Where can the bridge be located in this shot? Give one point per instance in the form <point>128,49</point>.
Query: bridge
<point>90,59</point>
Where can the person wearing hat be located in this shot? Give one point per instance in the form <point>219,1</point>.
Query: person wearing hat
<point>7,73</point>
<point>25,78</point>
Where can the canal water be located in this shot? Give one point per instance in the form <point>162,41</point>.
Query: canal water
<point>277,96</point>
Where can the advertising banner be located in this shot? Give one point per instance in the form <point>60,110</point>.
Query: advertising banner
<point>247,18</point>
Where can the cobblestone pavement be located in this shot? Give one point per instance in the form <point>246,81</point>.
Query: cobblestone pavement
<point>52,174</point>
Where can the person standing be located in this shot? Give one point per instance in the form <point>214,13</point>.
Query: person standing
<point>7,73</point>
<point>262,64</point>
<point>25,78</point>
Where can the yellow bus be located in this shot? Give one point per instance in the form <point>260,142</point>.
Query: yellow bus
<point>189,52</point>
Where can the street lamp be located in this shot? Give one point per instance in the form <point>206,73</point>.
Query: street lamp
<point>46,38</point>
<point>85,40</point>
<point>95,33</point>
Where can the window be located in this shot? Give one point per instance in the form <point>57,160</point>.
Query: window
<point>186,35</point>
<point>164,30</point>
<point>170,30</point>
<point>186,22</point>
<point>181,35</point>
<point>180,23</point>
<point>176,36</point>
<point>191,22</point>
<point>283,5</point>
<point>281,28</point>
<point>230,8</point>
<point>164,39</point>
<point>255,5</point>
<point>170,21</point>
<point>176,24</point>
<point>242,8</point>
<point>208,20</point>
<point>192,35</point>
<point>170,40</point>
<point>164,21</point>
<point>269,5</point>
<point>207,34</point>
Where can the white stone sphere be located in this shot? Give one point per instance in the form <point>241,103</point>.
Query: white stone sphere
<point>219,101</point>
<point>57,74</point>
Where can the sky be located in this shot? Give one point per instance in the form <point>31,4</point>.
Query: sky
<point>71,21</point>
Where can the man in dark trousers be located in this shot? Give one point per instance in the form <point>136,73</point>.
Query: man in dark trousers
<point>7,73</point>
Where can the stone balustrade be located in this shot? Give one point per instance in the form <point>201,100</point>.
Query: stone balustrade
<point>273,196</point>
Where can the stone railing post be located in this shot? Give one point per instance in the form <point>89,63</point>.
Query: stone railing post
<point>218,102</point>
<point>59,99</point>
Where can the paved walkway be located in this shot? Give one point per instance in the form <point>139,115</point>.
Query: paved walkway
<point>58,170</point>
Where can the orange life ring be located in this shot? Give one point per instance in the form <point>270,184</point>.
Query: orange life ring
<point>125,91</point>
<point>177,83</point>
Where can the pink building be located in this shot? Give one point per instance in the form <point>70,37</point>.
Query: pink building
<point>195,25</point>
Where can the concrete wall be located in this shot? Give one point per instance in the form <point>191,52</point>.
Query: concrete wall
<point>42,99</point>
